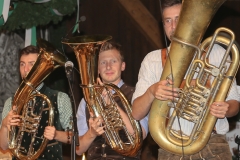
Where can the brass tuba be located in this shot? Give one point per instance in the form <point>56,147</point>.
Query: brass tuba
<point>193,104</point>
<point>25,98</point>
<point>86,49</point>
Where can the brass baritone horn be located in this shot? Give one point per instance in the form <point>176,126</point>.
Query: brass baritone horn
<point>86,49</point>
<point>193,104</point>
<point>25,99</point>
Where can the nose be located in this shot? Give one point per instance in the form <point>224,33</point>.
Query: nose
<point>174,24</point>
<point>27,68</point>
<point>108,65</point>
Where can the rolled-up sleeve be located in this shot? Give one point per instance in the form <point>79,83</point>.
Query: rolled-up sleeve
<point>81,118</point>
<point>65,110</point>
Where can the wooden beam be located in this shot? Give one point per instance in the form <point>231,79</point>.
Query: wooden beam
<point>144,19</point>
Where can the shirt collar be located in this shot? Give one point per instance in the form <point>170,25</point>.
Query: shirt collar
<point>120,83</point>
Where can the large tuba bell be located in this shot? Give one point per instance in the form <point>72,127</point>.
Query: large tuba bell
<point>25,99</point>
<point>193,104</point>
<point>86,49</point>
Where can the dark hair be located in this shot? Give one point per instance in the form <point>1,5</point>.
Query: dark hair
<point>29,50</point>
<point>170,3</point>
<point>110,45</point>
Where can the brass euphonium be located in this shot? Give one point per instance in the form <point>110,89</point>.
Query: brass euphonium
<point>193,104</point>
<point>25,98</point>
<point>86,49</point>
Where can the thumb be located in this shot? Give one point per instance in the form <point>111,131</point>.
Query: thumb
<point>14,108</point>
<point>99,81</point>
<point>91,114</point>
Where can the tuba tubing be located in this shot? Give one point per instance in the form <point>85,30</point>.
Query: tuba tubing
<point>176,145</point>
<point>189,32</point>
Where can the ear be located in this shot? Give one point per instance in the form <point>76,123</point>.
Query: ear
<point>123,66</point>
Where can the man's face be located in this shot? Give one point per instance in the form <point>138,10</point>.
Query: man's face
<point>170,19</point>
<point>26,63</point>
<point>110,66</point>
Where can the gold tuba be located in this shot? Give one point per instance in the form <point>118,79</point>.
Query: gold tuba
<point>25,99</point>
<point>193,104</point>
<point>86,49</point>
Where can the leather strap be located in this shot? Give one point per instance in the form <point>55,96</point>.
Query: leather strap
<point>164,56</point>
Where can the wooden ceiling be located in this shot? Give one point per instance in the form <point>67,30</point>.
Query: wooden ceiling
<point>144,19</point>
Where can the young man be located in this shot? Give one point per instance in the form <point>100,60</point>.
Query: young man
<point>110,66</point>
<point>62,113</point>
<point>149,87</point>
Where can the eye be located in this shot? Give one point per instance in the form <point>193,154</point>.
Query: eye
<point>103,63</point>
<point>31,63</point>
<point>167,21</point>
<point>114,61</point>
<point>22,64</point>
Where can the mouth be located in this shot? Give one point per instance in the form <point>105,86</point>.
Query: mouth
<point>109,73</point>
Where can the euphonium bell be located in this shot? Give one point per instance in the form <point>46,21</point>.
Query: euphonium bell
<point>86,49</point>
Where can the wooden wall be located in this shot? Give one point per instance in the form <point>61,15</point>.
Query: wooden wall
<point>110,17</point>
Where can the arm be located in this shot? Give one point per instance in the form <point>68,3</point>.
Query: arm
<point>51,133</point>
<point>4,135</point>
<point>65,114</point>
<point>233,108</point>
<point>145,102</point>
<point>148,86</point>
<point>229,108</point>
<point>86,140</point>
<point>95,130</point>
<point>10,120</point>
<point>123,115</point>
<point>160,90</point>
<point>85,136</point>
<point>128,123</point>
<point>7,120</point>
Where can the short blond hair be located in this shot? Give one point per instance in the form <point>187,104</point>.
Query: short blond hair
<point>110,45</point>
